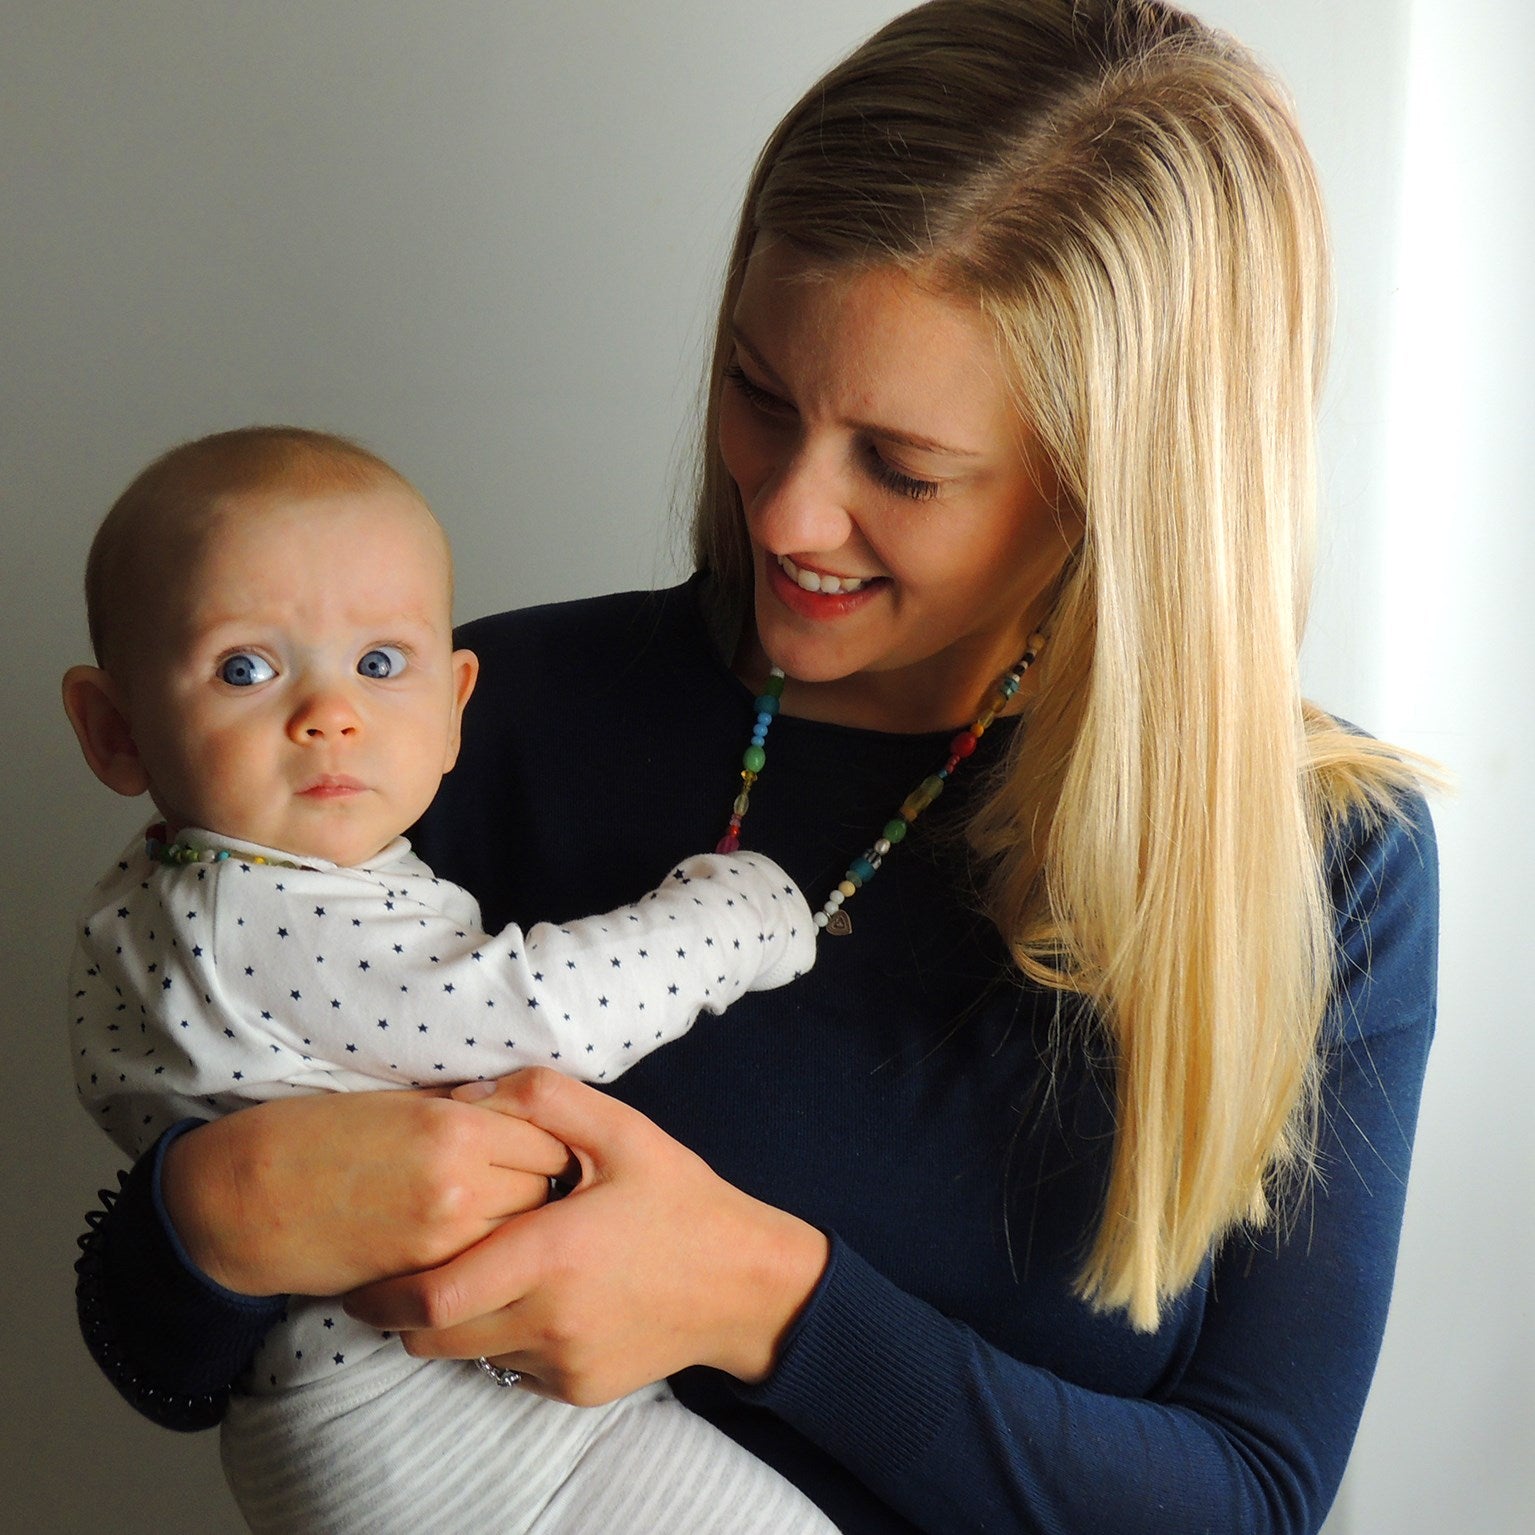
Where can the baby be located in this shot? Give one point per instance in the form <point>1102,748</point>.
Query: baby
<point>270,610</point>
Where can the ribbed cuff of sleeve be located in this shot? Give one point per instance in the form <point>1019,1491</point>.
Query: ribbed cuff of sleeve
<point>169,1338</point>
<point>865,1371</point>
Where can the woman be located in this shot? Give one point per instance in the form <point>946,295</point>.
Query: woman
<point>1064,1194</point>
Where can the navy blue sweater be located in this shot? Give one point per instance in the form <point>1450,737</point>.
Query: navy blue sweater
<point>907,1098</point>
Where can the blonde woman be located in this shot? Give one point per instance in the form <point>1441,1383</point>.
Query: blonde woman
<point>1064,1194</point>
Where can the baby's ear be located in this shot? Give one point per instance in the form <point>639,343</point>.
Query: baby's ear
<point>102,728</point>
<point>466,671</point>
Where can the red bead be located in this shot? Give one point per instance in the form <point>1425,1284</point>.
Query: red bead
<point>964,743</point>
<point>729,843</point>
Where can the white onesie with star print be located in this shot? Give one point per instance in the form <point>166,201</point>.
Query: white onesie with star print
<point>199,988</point>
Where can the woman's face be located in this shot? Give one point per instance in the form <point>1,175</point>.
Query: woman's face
<point>903,522</point>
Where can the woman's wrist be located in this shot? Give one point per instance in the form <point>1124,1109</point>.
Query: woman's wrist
<point>202,1194</point>
<point>778,1270</point>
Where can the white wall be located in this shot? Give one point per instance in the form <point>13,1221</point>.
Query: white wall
<point>1449,1439</point>
<point>482,235</point>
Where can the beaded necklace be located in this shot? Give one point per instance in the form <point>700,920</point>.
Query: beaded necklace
<point>161,851</point>
<point>832,917</point>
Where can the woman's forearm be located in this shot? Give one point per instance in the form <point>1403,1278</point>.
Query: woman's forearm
<point>323,1193</point>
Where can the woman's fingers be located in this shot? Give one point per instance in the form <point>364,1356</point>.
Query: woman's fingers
<point>474,1288</point>
<point>653,1264</point>
<point>521,1146</point>
<point>596,1128</point>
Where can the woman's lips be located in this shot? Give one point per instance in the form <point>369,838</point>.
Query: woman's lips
<point>821,605</point>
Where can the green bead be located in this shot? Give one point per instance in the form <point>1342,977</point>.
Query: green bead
<point>753,758</point>
<point>894,830</point>
<point>774,685</point>
<point>921,797</point>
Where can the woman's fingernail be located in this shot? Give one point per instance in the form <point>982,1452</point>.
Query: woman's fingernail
<point>472,1092</point>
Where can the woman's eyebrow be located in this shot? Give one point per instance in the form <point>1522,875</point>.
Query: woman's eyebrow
<point>885,433</point>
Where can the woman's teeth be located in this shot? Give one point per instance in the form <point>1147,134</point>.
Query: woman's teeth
<point>813,581</point>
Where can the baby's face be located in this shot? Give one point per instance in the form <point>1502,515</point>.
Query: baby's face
<point>302,691</point>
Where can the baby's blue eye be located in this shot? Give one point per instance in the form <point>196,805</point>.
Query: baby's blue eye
<point>385,661</point>
<point>244,670</point>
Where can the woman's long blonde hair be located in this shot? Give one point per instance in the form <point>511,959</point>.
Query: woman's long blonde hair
<point>1125,193</point>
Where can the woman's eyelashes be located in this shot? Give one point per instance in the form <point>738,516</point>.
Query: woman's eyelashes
<point>884,473</point>
<point>896,480</point>
<point>753,393</point>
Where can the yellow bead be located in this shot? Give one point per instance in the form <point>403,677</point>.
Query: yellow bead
<point>848,889</point>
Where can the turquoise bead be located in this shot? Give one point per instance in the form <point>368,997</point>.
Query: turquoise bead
<point>862,870</point>
<point>767,705</point>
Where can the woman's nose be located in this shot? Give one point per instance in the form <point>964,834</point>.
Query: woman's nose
<point>324,713</point>
<point>802,506</point>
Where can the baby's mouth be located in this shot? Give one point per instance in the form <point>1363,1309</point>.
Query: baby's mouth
<point>814,581</point>
<point>331,786</point>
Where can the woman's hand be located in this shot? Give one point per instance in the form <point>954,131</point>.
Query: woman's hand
<point>321,1194</point>
<point>653,1264</point>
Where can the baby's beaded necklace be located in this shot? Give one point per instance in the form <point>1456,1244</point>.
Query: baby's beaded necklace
<point>832,918</point>
<point>160,849</point>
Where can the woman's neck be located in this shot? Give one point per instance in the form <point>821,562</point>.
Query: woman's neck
<point>934,696</point>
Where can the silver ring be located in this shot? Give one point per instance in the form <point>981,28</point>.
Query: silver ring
<point>497,1374</point>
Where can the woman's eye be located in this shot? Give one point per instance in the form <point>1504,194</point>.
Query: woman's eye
<point>244,670</point>
<point>382,661</point>
<point>752,393</point>
<point>902,484</point>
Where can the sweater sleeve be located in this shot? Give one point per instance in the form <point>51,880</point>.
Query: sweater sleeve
<point>1253,1432</point>
<point>165,1335</point>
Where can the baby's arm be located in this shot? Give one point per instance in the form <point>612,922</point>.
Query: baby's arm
<point>218,985</point>
<point>591,996</point>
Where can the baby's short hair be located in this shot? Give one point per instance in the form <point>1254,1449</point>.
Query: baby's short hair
<point>181,487</point>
